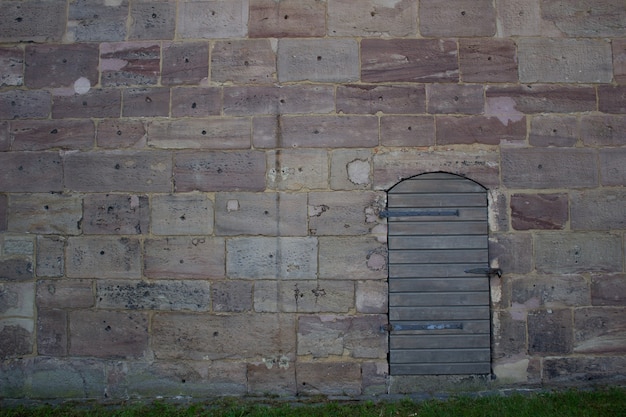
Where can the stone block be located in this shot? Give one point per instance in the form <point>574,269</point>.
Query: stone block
<point>375,378</point>
<point>25,104</point>
<point>243,61</point>
<point>548,130</point>
<point>11,66</point>
<point>542,98</point>
<point>611,99</point>
<point>130,63</point>
<point>108,334</point>
<point>297,169</point>
<point>16,337</point>
<point>266,296</point>
<point>457,18</point>
<point>508,334</point>
<point>233,336</point>
<point>455,98</point>
<point>619,60</point>
<point>287,18</point>
<point>488,60</point>
<point>124,171</point>
<point>154,295</point>
<point>334,378</point>
<point>550,291</point>
<point>372,297</point>
<point>351,169</point>
<point>39,135</point>
<point>599,330</point>
<point>498,212</point>
<point>50,256</point>
<point>16,299</point>
<point>511,252</point>
<point>315,296</point>
<point>539,211</point>
<point>409,60</point>
<point>583,369</point>
<point>146,102</point>
<point>206,133</point>
<point>554,60</point>
<point>608,289</point>
<point>97,21</point>
<point>269,214</point>
<point>4,212</point>
<point>266,131</point>
<point>152,20</point>
<point>219,171</point>
<point>65,378</point>
<point>95,103</point>
<point>344,212</point>
<point>366,259</point>
<point>603,130</point>
<point>329,131</point>
<point>272,257</point>
<point>103,257</point>
<point>600,209</point>
<point>570,253</point>
<point>549,168</point>
<point>45,213</point>
<point>185,63</point>
<point>269,377</point>
<point>489,130</point>
<point>32,21</point>
<point>371,99</point>
<point>52,332</point>
<point>291,99</point>
<point>182,214</point>
<point>392,166</point>
<point>64,293</point>
<point>212,19</point>
<point>372,18</point>
<point>48,66</point>
<point>5,140</point>
<point>231,296</point>
<point>123,214</point>
<point>19,246</point>
<point>16,269</point>
<point>612,168</point>
<point>550,332</point>
<point>605,18</point>
<point>196,101</point>
<point>184,258</point>
<point>318,60</point>
<point>120,134</point>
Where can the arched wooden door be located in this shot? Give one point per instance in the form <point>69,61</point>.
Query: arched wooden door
<point>438,276</point>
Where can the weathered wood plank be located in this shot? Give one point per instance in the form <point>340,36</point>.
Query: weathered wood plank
<point>452,200</point>
<point>425,185</point>
<point>438,228</point>
<point>437,256</point>
<point>462,214</point>
<point>433,270</point>
<point>451,341</point>
<point>453,299</point>
<point>439,313</point>
<point>440,355</point>
<point>469,327</point>
<point>440,369</point>
<point>426,285</point>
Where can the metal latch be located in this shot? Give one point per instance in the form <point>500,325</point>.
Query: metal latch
<point>418,212</point>
<point>485,271</point>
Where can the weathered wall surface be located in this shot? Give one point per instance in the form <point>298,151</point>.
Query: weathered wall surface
<point>189,190</point>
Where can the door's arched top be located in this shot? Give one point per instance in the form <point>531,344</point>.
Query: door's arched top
<point>437,182</point>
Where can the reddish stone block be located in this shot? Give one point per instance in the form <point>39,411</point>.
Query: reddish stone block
<point>95,103</point>
<point>60,65</point>
<point>407,131</point>
<point>185,257</point>
<point>185,63</point>
<point>209,133</point>
<point>266,131</point>
<point>24,172</point>
<point>539,211</point>
<point>45,213</point>
<point>116,214</point>
<point>11,66</point>
<point>196,101</point>
<point>103,257</point>
<point>243,61</point>
<point>52,332</point>
<point>513,253</point>
<point>231,296</point>
<point>455,98</point>
<point>336,378</point>
<point>33,21</point>
<point>600,330</point>
<point>409,60</point>
<point>146,102</point>
<point>550,332</point>
<point>608,289</point>
<point>5,141</point>
<point>65,293</point>
<point>318,60</point>
<point>15,269</point>
<point>329,131</point>
<point>130,63</point>
<point>457,18</point>
<point>287,18</point>
<point>108,334</point>
<point>488,60</point>
<point>37,135</point>
<point>598,209</point>
<point>545,98</point>
<point>278,376</point>
<point>612,167</point>
<point>603,130</point>
<point>152,19</point>
<point>372,18</point>
<point>548,130</point>
<point>219,171</point>
<point>50,256</point>
<point>16,337</point>
<point>182,214</point>
<point>295,99</point>
<point>603,18</point>
<point>3,212</point>
<point>612,99</point>
<point>93,20</point>
<point>212,19</point>
<point>25,104</point>
<point>479,129</point>
<point>619,60</point>
<point>370,99</point>
<point>120,133</point>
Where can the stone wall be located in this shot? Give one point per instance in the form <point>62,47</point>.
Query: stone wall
<point>189,190</point>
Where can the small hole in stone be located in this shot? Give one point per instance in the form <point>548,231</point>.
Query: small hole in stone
<point>193,105</point>
<point>181,261</point>
<point>271,256</point>
<point>456,98</point>
<point>186,60</point>
<point>148,100</point>
<point>108,328</point>
<point>488,58</point>
<point>539,166</point>
<point>64,61</point>
<point>204,132</point>
<point>46,207</point>
<point>266,212</point>
<point>246,63</point>
<point>183,381</point>
<point>212,12</point>
<point>409,128</point>
<point>54,131</point>
<point>372,14</point>
<point>286,16</point>
<point>282,101</point>
<point>463,13</point>
<point>117,166</point>
<point>154,15</point>
<point>215,334</point>
<point>319,58</point>
<point>101,252</point>
<point>119,133</point>
<point>18,19</point>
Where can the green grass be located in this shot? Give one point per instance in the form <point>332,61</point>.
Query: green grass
<point>601,403</point>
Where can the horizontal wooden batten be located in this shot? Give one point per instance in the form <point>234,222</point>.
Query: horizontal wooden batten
<point>433,270</point>
<point>442,242</point>
<point>439,313</point>
<point>438,228</point>
<point>449,341</point>
<point>406,256</point>
<point>452,299</point>
<point>440,355</point>
<point>482,327</point>
<point>428,285</point>
<point>431,215</point>
<point>437,200</point>
<point>440,368</point>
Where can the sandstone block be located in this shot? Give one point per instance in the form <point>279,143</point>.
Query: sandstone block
<point>108,26</point>
<point>231,296</point>
<point>16,269</point>
<point>372,297</point>
<point>32,21</point>
<point>599,330</point>
<point>196,101</point>
<point>318,60</point>
<point>479,129</point>
<point>612,168</point>
<point>206,133</point>
<point>549,168</point>
<point>619,60</point>
<point>219,171</point>
<point>122,214</point>
<point>108,334</point>
<point>315,296</point>
<point>608,289</point>
<point>110,171</point>
<point>292,99</point>
<point>130,63</point>
<point>5,143</point>
<point>297,169</point>
<point>570,253</point>
<point>235,336</point>
<point>50,256</point>
<point>550,332</point>
<point>60,65</point>
<point>548,130</point>
<point>105,257</point>
<point>372,18</point>
<point>272,257</point>
<point>583,368</point>
<point>210,19</point>
<point>375,377</point>
<point>550,291</point>
<point>407,131</point>
<point>287,18</point>
<point>336,378</point>
<point>45,213</point>
<point>94,103</point>
<point>19,246</point>
<point>154,295</point>
<point>603,130</point>
<point>182,214</point>
<point>455,98</point>
<point>146,102</point>
<point>409,60</point>
<point>120,134</point>
<point>52,332</point>
<point>16,299</point>
<point>277,378</point>
<point>4,212</point>
<point>243,61</point>
<point>25,104</point>
<point>152,20</point>
<point>37,135</point>
<point>367,258</point>
<point>344,212</point>
<point>488,60</point>
<point>184,257</point>
<point>11,66</point>
<point>508,334</point>
<point>266,296</point>
<point>329,131</point>
<point>266,131</point>
<point>575,19</point>
<point>351,169</point>
<point>269,214</point>
<point>539,211</point>
<point>16,337</point>
<point>541,98</point>
<point>457,18</point>
<point>65,293</point>
<point>185,63</point>
<point>598,209</point>
<point>81,378</point>
<point>511,252</point>
<point>371,99</point>
<point>611,99</point>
